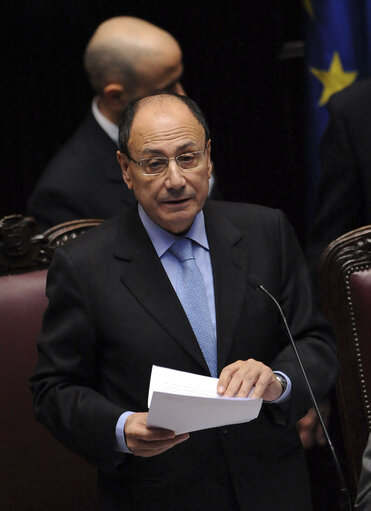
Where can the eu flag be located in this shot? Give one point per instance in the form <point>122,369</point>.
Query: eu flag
<point>338,49</point>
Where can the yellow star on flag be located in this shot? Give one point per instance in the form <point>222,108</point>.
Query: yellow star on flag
<point>309,7</point>
<point>333,80</point>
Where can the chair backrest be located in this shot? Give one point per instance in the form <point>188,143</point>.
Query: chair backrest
<point>36,472</point>
<point>345,286</point>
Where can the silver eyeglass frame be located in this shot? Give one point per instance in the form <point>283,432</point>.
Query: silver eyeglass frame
<point>140,162</point>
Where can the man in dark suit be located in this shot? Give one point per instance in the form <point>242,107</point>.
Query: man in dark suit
<point>344,192</point>
<point>125,58</point>
<point>115,309</point>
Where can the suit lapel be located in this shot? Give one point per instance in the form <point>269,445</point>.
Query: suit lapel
<point>143,274</point>
<point>230,266</point>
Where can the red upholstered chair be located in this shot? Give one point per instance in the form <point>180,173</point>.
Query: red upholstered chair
<point>36,472</point>
<point>345,283</point>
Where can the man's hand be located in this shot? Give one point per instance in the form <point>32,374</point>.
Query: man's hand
<point>146,442</point>
<point>310,429</point>
<point>239,378</point>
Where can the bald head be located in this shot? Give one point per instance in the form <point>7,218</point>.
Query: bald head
<point>161,99</point>
<point>134,54</point>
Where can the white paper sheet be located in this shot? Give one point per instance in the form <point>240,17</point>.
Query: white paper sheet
<point>185,402</point>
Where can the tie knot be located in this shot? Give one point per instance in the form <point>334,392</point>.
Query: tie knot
<point>182,249</point>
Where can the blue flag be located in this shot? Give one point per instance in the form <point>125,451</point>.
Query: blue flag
<point>338,48</point>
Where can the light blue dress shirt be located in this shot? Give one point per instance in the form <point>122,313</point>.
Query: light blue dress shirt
<point>162,241</point>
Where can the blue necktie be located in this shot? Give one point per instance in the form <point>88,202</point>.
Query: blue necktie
<point>191,292</point>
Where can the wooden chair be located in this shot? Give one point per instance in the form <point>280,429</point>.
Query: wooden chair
<point>345,286</point>
<point>36,472</point>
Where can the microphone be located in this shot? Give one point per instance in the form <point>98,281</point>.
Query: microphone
<point>345,503</point>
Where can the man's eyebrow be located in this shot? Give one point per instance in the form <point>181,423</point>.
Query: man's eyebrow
<point>171,85</point>
<point>183,147</point>
<point>152,151</point>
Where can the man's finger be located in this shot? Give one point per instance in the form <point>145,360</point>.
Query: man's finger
<point>146,449</point>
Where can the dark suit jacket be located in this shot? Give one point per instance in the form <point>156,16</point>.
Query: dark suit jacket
<point>83,180</point>
<point>113,313</point>
<point>344,190</point>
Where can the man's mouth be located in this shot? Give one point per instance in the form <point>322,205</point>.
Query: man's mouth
<point>181,200</point>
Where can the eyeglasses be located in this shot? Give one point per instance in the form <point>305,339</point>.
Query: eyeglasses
<point>158,165</point>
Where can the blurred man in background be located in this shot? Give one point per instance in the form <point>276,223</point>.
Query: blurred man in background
<point>125,58</point>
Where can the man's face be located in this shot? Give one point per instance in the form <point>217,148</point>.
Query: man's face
<point>165,127</point>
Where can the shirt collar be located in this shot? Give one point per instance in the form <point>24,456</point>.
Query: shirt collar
<point>162,240</point>
<point>109,127</point>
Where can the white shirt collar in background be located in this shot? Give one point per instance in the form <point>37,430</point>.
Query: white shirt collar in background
<point>109,127</point>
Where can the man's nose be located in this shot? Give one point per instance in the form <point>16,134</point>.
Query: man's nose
<point>174,175</point>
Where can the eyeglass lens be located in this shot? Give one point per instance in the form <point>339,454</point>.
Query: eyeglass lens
<point>158,165</point>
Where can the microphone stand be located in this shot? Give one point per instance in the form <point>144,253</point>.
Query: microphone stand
<point>345,503</point>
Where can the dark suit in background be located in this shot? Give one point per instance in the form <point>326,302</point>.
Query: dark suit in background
<point>113,313</point>
<point>344,191</point>
<point>83,180</point>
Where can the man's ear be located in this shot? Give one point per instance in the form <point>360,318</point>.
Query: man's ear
<point>210,164</point>
<point>124,164</point>
<point>115,97</point>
